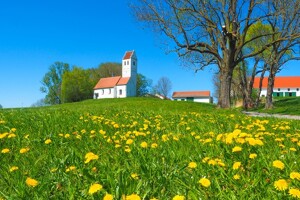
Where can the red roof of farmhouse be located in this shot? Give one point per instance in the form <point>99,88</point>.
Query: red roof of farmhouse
<point>128,55</point>
<point>191,94</point>
<point>280,82</point>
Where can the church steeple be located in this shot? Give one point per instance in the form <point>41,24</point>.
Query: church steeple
<point>129,64</point>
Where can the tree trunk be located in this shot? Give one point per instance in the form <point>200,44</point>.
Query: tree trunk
<point>259,88</point>
<point>225,88</point>
<point>269,98</point>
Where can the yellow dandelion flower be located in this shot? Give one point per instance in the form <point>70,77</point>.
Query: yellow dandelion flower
<point>24,150</point>
<point>127,149</point>
<point>278,164</point>
<point>236,149</point>
<point>192,165</point>
<point>90,156</point>
<point>212,162</point>
<point>144,145</point>
<point>31,182</point>
<point>13,168</point>
<point>108,197</point>
<point>53,170</point>
<point>154,145</point>
<point>133,197</point>
<point>3,135</point>
<point>67,135</point>
<point>48,141</point>
<point>95,188</point>
<point>281,185</point>
<point>293,149</point>
<point>135,176</point>
<point>153,198</point>
<point>252,155</point>
<point>204,182</point>
<point>236,177</point>
<point>5,150</point>
<point>71,168</point>
<point>12,135</point>
<point>294,192</point>
<point>179,197</point>
<point>129,141</point>
<point>236,165</point>
<point>295,175</point>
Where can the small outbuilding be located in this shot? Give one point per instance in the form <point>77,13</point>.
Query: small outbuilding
<point>194,96</point>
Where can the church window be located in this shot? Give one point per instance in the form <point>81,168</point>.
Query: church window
<point>109,91</point>
<point>102,91</point>
<point>133,63</point>
<point>127,62</point>
<point>120,92</point>
<point>124,62</point>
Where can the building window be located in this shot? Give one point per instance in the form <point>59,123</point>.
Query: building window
<point>297,89</point>
<point>133,63</point>
<point>102,92</point>
<point>288,89</point>
<point>120,92</point>
<point>127,62</point>
<point>109,91</point>
<point>96,95</point>
<point>124,62</point>
<point>278,89</point>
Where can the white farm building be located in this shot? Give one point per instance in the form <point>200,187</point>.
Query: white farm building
<point>119,86</point>
<point>284,86</point>
<point>195,96</point>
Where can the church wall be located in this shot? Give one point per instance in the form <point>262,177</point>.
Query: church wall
<point>104,93</point>
<point>121,91</point>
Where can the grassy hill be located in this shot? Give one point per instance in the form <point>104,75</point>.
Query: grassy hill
<point>143,148</point>
<point>284,105</point>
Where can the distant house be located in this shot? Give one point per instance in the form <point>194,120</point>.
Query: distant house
<point>119,86</point>
<point>284,86</point>
<point>195,96</point>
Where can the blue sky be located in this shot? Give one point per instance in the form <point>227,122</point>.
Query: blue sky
<point>35,34</point>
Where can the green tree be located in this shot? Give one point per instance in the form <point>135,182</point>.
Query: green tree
<point>214,32</point>
<point>143,85</point>
<point>108,69</point>
<point>51,83</point>
<point>77,85</point>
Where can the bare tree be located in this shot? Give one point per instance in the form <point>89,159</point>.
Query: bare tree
<point>212,32</point>
<point>163,86</point>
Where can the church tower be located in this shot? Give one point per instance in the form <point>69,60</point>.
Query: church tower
<point>129,70</point>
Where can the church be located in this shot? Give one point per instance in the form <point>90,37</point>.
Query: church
<point>119,86</point>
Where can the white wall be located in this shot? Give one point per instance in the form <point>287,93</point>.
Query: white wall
<point>199,100</point>
<point>105,93</point>
<point>284,90</point>
<point>124,92</point>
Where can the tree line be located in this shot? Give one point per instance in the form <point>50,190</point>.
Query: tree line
<point>65,84</point>
<point>240,38</point>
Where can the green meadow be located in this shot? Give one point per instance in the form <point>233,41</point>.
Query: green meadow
<point>143,148</point>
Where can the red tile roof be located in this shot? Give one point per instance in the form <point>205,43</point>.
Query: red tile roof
<point>123,81</point>
<point>128,55</point>
<point>107,82</point>
<point>280,82</point>
<point>191,94</point>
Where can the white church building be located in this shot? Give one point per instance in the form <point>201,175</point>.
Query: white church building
<point>119,86</point>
